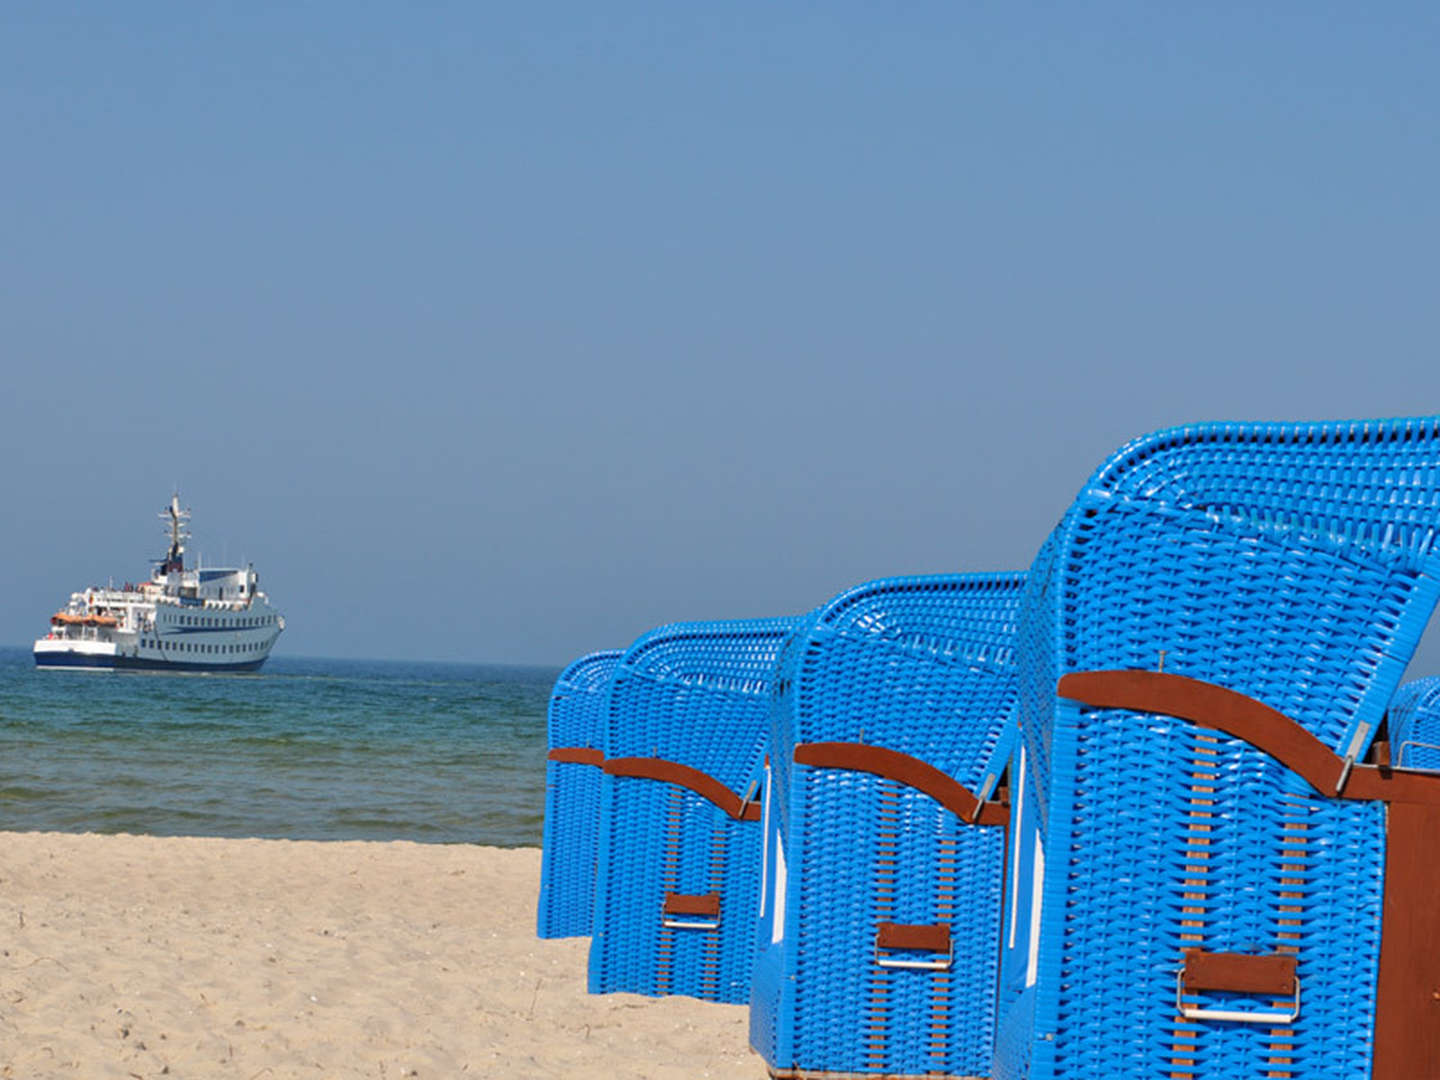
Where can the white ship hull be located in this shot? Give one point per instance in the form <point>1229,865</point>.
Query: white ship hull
<point>188,640</point>
<point>98,656</point>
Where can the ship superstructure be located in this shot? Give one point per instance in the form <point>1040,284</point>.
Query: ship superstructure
<point>203,619</point>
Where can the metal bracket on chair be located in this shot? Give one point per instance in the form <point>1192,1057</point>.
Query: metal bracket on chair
<point>748,799</point>
<point>1190,1012</point>
<point>899,937</point>
<point>1400,753</point>
<point>1352,755</point>
<point>684,912</point>
<point>1238,973</point>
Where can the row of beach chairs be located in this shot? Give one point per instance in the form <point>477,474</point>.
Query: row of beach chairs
<point>1157,808</point>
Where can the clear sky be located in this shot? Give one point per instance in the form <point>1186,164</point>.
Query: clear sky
<point>506,332</point>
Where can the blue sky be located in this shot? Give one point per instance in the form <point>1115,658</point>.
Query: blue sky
<point>505,332</point>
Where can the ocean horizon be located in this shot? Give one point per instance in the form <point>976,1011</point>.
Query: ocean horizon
<point>307,748</point>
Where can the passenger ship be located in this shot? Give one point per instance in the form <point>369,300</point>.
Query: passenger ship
<point>180,620</point>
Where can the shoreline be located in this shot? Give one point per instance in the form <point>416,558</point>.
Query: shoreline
<point>129,955</point>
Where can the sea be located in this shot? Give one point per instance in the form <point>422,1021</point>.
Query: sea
<point>305,749</point>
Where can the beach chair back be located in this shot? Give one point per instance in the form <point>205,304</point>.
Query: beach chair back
<point>575,736</point>
<point>1187,855</point>
<point>679,853</point>
<point>879,933</point>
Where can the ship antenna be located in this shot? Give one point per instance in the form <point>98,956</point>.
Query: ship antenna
<point>175,520</point>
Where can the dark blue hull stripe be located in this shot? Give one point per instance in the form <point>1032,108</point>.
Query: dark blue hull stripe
<point>137,663</point>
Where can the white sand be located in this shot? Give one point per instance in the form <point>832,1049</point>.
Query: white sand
<point>132,956</point>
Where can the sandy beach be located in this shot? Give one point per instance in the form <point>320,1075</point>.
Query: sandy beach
<point>137,956</point>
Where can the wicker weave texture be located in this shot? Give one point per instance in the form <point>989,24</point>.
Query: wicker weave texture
<point>695,694</point>
<point>576,718</point>
<point>1171,836</point>
<point>1414,720</point>
<point>923,666</point>
<point>1372,482</point>
<point>1375,481</point>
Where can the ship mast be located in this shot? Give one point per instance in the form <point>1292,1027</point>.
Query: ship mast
<point>175,521</point>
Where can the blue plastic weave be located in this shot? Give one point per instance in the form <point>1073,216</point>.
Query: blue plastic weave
<point>1291,563</point>
<point>576,718</point>
<point>923,666</point>
<point>1414,720</point>
<point>695,694</point>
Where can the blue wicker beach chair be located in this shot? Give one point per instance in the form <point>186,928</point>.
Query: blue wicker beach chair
<point>1414,725</point>
<point>1201,855</point>
<point>884,858</point>
<point>678,886</point>
<point>576,736</point>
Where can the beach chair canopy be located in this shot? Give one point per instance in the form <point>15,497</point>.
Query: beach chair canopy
<point>679,853</point>
<point>575,735</point>
<point>1177,874</point>
<point>884,854</point>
